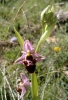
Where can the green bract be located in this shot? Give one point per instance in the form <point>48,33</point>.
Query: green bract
<point>48,20</point>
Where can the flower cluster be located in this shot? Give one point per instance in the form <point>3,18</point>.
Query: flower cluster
<point>29,58</point>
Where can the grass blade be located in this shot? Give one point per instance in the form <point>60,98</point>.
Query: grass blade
<point>20,39</point>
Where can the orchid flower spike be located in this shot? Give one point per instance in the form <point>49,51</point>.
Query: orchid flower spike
<point>22,85</point>
<point>29,58</point>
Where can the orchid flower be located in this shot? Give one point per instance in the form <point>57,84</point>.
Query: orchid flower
<point>23,84</point>
<point>29,58</point>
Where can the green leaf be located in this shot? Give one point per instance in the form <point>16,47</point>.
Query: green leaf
<point>46,34</point>
<point>34,87</point>
<point>20,39</point>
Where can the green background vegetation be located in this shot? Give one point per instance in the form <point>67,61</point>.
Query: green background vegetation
<point>53,72</point>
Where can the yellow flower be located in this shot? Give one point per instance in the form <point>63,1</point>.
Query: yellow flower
<point>57,48</point>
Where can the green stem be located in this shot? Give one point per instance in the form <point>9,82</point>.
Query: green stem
<point>34,86</point>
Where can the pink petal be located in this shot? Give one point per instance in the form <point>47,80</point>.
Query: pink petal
<point>28,46</point>
<point>23,77</point>
<point>25,80</point>
<point>23,91</point>
<point>20,62</point>
<point>20,59</point>
<point>38,57</point>
<point>27,83</point>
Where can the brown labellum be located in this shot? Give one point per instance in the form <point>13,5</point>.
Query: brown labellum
<point>19,89</point>
<point>31,68</point>
<point>30,64</point>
